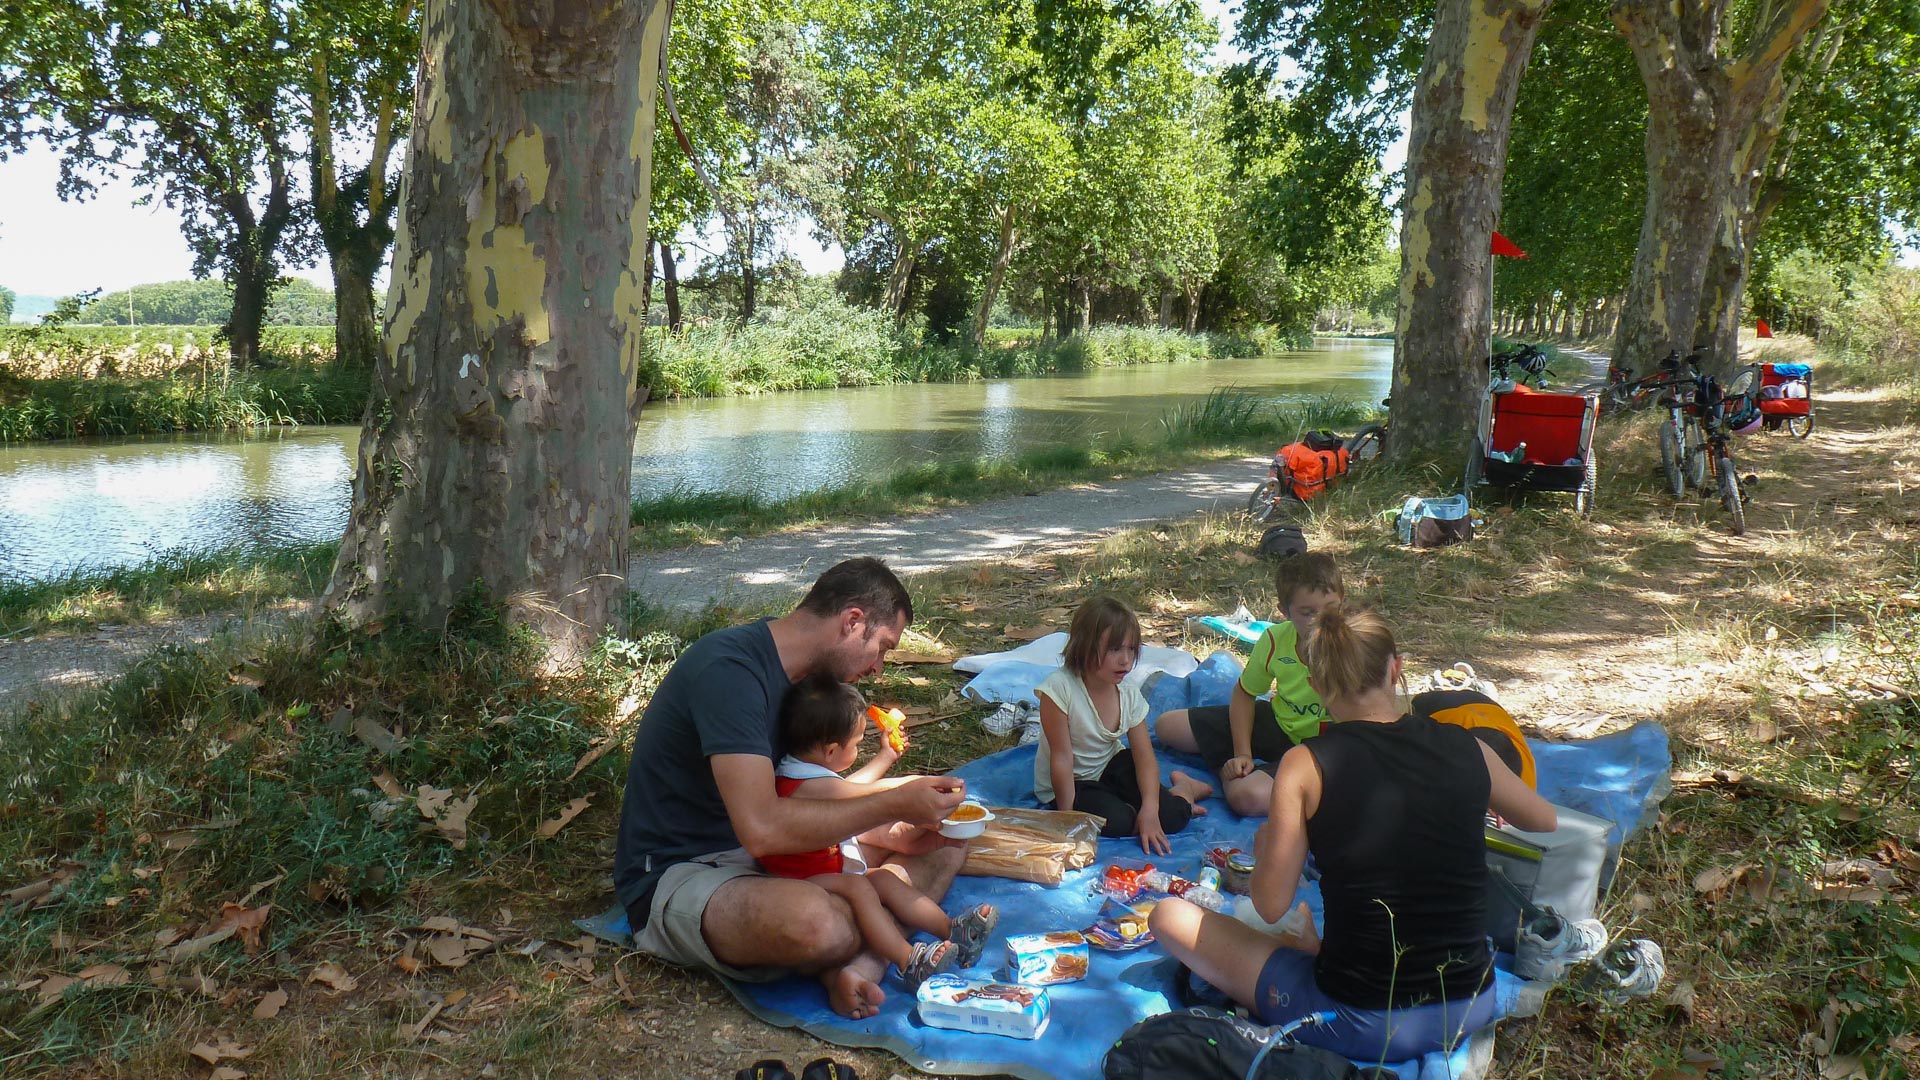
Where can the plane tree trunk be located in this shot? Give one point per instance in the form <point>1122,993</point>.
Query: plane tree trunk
<point>514,325</point>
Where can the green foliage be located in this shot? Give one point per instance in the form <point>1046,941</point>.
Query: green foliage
<point>6,305</point>
<point>190,102</point>
<point>69,407</point>
<point>207,303</point>
<point>833,344</point>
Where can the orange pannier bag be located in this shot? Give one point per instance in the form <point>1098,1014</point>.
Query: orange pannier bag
<point>1309,471</point>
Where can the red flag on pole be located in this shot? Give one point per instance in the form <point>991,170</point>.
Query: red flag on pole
<point>1761,329</point>
<point>1506,247</point>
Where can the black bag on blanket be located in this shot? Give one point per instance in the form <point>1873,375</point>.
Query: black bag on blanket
<point>1207,1046</point>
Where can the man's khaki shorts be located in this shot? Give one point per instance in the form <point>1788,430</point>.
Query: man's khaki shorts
<point>680,902</point>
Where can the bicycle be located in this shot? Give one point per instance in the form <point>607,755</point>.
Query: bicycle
<point>1696,439</point>
<point>1726,411</point>
<point>1682,443</point>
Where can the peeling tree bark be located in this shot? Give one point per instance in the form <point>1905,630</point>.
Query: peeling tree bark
<point>514,324</point>
<point>1704,111</point>
<point>1456,159</point>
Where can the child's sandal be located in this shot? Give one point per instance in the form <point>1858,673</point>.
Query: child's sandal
<point>929,958</point>
<point>970,932</point>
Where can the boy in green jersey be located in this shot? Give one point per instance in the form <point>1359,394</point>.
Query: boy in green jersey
<point>1244,739</point>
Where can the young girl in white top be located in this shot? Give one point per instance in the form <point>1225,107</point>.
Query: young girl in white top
<point>1086,716</point>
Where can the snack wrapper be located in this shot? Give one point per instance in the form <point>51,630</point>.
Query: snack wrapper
<point>984,1008</point>
<point>1048,959</point>
<point>1120,928</point>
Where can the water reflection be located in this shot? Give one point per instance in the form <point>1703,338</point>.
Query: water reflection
<point>65,505</point>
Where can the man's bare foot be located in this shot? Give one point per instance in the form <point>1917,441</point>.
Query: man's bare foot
<point>852,994</point>
<point>1193,790</point>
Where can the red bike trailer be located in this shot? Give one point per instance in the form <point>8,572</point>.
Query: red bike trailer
<point>1790,404</point>
<point>1557,430</point>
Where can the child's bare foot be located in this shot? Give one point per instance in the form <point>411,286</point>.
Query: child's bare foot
<point>852,994</point>
<point>1192,790</point>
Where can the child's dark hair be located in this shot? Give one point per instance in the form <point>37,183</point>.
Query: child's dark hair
<point>1101,622</point>
<point>1309,570</point>
<point>820,709</point>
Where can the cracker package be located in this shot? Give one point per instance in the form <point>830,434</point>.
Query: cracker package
<point>1040,846</point>
<point>1046,959</point>
<point>985,1008</point>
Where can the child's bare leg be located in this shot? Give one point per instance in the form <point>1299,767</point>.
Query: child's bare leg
<point>908,904</point>
<point>1174,729</point>
<point>877,928</point>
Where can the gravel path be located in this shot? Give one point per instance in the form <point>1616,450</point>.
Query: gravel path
<point>785,563</point>
<point>736,572</point>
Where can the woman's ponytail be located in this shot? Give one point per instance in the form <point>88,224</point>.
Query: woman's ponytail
<point>1349,652</point>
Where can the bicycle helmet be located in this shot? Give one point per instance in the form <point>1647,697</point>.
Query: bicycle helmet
<point>1743,415</point>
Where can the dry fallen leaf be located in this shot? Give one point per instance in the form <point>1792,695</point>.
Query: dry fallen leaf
<point>240,921</point>
<point>408,962</point>
<point>53,986</point>
<point>369,731</point>
<point>598,751</point>
<point>334,976</point>
<point>1843,1067</point>
<point>227,1072</point>
<point>1243,558</point>
<point>220,1048</point>
<point>448,814</point>
<point>105,975</point>
<point>1682,998</point>
<point>1030,633</point>
<point>270,1005</point>
<point>388,785</point>
<point>548,829</point>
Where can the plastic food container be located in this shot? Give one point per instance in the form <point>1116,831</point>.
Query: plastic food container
<point>984,1008</point>
<point>1046,959</point>
<point>967,821</point>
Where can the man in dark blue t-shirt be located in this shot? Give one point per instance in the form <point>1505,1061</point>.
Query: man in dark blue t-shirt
<point>700,805</point>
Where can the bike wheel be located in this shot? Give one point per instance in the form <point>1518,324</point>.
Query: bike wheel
<point>1730,493</point>
<point>1800,426</point>
<point>1260,504</point>
<point>1694,457</point>
<point>1367,445</point>
<point>1583,499</point>
<point>1670,460</point>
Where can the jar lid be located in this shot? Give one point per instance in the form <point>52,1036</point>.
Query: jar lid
<point>1240,861</point>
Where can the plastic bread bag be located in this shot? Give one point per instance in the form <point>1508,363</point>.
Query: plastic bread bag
<point>1040,846</point>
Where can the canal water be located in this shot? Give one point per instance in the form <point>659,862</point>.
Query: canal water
<point>119,502</point>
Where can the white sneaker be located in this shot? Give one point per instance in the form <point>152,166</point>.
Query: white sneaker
<point>1627,970</point>
<point>1549,945</point>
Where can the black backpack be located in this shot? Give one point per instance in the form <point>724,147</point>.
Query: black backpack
<point>1201,1045</point>
<point>1322,440</point>
<point>1280,541</point>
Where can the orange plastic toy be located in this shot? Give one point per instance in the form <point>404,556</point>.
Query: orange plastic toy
<point>892,724</point>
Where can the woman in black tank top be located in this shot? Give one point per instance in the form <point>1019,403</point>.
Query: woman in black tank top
<point>1392,809</point>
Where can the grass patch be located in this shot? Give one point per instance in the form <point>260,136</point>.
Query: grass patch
<point>174,585</point>
<point>68,407</point>
<point>1225,423</point>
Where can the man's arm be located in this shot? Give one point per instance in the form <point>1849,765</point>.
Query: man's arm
<point>769,825</point>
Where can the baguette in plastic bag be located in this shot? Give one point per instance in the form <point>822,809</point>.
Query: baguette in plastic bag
<point>1034,845</point>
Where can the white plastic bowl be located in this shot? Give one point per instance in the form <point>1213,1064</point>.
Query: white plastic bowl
<point>966,830</point>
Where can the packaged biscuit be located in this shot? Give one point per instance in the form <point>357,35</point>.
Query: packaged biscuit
<point>985,1008</point>
<point>1046,959</point>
